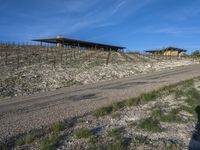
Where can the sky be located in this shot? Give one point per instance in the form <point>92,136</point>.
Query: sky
<point>135,24</point>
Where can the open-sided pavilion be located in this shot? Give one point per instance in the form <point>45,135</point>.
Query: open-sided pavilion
<point>66,42</point>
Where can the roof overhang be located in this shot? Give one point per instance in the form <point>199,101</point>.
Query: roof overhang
<point>73,42</point>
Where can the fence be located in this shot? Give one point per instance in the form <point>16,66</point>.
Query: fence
<point>17,55</point>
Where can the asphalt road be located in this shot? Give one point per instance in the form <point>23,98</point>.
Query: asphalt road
<point>21,114</point>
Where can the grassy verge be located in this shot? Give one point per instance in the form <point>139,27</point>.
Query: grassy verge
<point>40,135</point>
<point>144,98</point>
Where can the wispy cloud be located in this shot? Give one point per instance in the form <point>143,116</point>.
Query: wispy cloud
<point>178,31</point>
<point>68,17</point>
<point>117,8</point>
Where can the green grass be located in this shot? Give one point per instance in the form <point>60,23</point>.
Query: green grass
<point>57,127</point>
<point>116,106</point>
<point>142,99</point>
<point>36,135</point>
<point>71,82</point>
<point>115,146</point>
<point>102,111</point>
<point>82,133</point>
<point>169,117</point>
<point>150,125</point>
<point>49,142</point>
<point>172,147</point>
<point>193,97</point>
<point>132,102</point>
<point>27,138</point>
<point>145,98</point>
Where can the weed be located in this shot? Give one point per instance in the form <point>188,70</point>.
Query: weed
<point>57,127</point>
<point>71,82</point>
<point>49,142</point>
<point>172,147</point>
<point>193,97</point>
<point>82,133</point>
<point>148,97</point>
<point>178,93</point>
<point>102,111</point>
<point>115,146</point>
<point>117,106</point>
<point>132,102</point>
<point>150,125</point>
<point>27,139</point>
<point>172,116</point>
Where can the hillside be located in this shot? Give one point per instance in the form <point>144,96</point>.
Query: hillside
<point>33,69</point>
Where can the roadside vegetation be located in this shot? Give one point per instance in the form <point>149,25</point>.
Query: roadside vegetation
<point>183,99</point>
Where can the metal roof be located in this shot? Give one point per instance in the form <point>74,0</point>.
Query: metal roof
<point>80,43</point>
<point>167,49</point>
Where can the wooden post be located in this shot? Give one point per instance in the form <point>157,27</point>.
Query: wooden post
<point>61,57</point>
<point>108,58</point>
<point>6,59</point>
<point>17,59</point>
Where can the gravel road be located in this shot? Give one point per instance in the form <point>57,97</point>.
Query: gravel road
<point>21,114</point>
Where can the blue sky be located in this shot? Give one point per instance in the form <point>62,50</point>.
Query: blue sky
<point>135,24</point>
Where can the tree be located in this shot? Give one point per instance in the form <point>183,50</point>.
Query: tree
<point>196,53</point>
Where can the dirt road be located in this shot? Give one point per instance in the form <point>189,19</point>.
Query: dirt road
<point>21,114</point>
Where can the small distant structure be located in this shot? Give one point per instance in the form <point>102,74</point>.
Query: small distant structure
<point>60,41</point>
<point>170,51</point>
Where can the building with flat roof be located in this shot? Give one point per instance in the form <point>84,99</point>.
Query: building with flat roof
<point>66,42</point>
<point>170,51</point>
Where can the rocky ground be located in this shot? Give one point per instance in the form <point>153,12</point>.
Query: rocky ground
<point>163,119</point>
<point>45,77</point>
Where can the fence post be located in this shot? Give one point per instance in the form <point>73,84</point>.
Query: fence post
<point>108,58</point>
<point>6,60</point>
